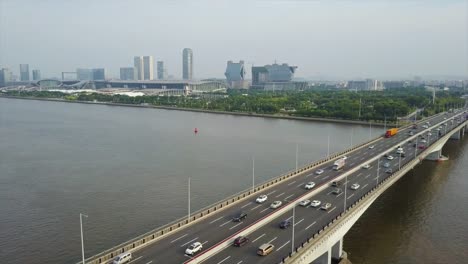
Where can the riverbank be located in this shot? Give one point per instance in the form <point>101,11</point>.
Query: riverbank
<point>314,119</point>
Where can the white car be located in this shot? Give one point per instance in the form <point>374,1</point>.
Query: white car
<point>319,171</point>
<point>344,157</point>
<point>429,134</point>
<point>386,165</point>
<point>371,146</point>
<point>423,141</point>
<point>315,203</point>
<point>304,203</point>
<point>276,204</point>
<point>425,126</point>
<point>366,166</point>
<point>355,186</point>
<point>390,157</point>
<point>309,185</point>
<point>194,248</point>
<point>261,198</point>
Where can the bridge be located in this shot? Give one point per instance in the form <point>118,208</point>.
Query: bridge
<point>315,235</point>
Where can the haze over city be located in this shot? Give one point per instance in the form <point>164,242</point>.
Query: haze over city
<point>325,39</point>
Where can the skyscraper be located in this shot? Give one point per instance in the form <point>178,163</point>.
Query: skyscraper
<point>24,72</point>
<point>36,75</point>
<point>99,74</point>
<point>138,64</point>
<point>5,76</point>
<point>148,66</point>
<point>161,70</point>
<point>187,64</point>
<point>127,73</point>
<point>84,74</point>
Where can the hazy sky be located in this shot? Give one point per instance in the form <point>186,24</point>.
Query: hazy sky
<point>342,38</point>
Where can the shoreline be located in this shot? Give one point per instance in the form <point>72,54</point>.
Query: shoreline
<point>313,119</point>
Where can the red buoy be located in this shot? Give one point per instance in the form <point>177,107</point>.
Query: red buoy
<point>196,130</point>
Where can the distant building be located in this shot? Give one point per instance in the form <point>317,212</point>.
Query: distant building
<point>24,72</point>
<point>138,64</point>
<point>187,64</point>
<point>127,73</point>
<point>161,70</point>
<point>90,74</point>
<point>394,84</point>
<point>357,85</point>
<point>36,75</point>
<point>5,76</point>
<point>148,68</point>
<point>272,73</point>
<point>99,74</point>
<point>235,74</point>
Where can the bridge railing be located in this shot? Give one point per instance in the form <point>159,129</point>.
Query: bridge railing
<point>162,231</point>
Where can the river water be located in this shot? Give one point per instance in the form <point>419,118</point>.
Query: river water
<point>127,169</point>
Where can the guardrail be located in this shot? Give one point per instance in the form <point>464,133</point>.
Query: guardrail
<point>160,232</point>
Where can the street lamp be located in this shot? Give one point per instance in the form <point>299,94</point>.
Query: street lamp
<point>293,222</point>
<point>416,147</point>
<point>345,188</point>
<point>297,154</point>
<point>188,198</point>
<point>82,243</point>
<point>378,170</point>
<point>328,146</point>
<point>253,174</point>
<point>399,162</point>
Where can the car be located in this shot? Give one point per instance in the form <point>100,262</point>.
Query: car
<point>422,147</point>
<point>386,165</point>
<point>414,145</point>
<point>371,146</point>
<point>423,141</point>
<point>344,157</point>
<point>386,155</point>
<point>276,204</point>
<point>410,141</point>
<point>309,185</point>
<point>319,171</point>
<point>240,241</point>
<point>336,184</point>
<point>261,198</point>
<point>402,155</point>
<point>239,217</point>
<point>400,150</point>
<point>389,171</point>
<point>315,203</point>
<point>366,166</point>
<point>194,248</point>
<point>429,134</point>
<point>123,258</point>
<point>355,186</point>
<point>285,224</point>
<point>326,206</point>
<point>304,203</point>
<point>390,157</point>
<point>265,249</point>
<point>424,126</point>
<point>411,133</point>
<point>337,191</point>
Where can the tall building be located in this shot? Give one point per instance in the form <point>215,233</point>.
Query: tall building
<point>24,72</point>
<point>161,70</point>
<point>5,76</point>
<point>36,75</point>
<point>91,74</point>
<point>138,64</point>
<point>187,64</point>
<point>127,73</point>
<point>99,74</point>
<point>148,68</point>
<point>272,73</point>
<point>235,74</point>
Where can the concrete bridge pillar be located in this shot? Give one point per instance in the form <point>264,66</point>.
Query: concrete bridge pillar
<point>456,135</point>
<point>325,258</point>
<point>436,155</point>
<point>337,250</point>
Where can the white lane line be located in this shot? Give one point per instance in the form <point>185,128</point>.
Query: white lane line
<point>257,238</point>
<point>149,262</point>
<point>189,242</point>
<point>367,176</point>
<point>295,224</point>
<point>264,210</point>
<point>363,158</point>
<point>179,238</point>
<point>283,245</point>
<point>288,218</point>
<point>352,164</point>
<point>289,196</point>
<point>318,175</point>
<point>365,153</point>
<point>204,242</point>
<point>133,260</point>
<point>216,219</point>
<point>279,195</point>
<point>329,193</point>
<point>228,257</point>
<point>332,209</point>
<point>310,225</point>
<point>225,223</point>
<point>359,174</point>
<point>271,192</point>
<point>350,196</point>
<point>235,226</point>
<point>240,262</point>
<point>365,186</point>
<point>269,242</point>
<point>325,177</point>
<point>291,183</point>
<point>255,207</point>
<point>339,194</point>
<point>245,205</point>
<point>300,184</point>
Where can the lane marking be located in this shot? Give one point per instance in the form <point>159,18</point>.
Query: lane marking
<point>179,238</point>
<point>255,207</point>
<point>264,210</point>
<point>271,192</point>
<point>365,186</point>
<point>133,260</point>
<point>245,205</point>
<point>228,257</point>
<point>332,209</point>
<point>240,262</point>
<point>279,195</point>
<point>310,225</point>
<point>325,177</point>
<point>359,174</point>
<point>269,242</point>
<point>225,223</point>
<point>295,224</point>
<point>352,164</point>
<point>235,226</point>
<point>149,262</point>
<point>367,176</point>
<point>204,242</point>
<point>300,184</point>
<point>291,183</point>
<point>350,196</point>
<point>340,194</point>
<point>283,245</point>
<point>216,219</point>
<point>189,242</point>
<point>289,196</point>
<point>257,238</point>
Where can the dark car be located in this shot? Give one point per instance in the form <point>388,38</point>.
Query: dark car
<point>285,224</point>
<point>336,184</point>
<point>240,241</point>
<point>239,217</point>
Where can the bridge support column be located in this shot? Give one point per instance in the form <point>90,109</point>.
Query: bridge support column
<point>436,155</point>
<point>456,135</point>
<point>324,259</point>
<point>337,250</point>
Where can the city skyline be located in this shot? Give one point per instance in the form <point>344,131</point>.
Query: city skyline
<point>381,39</point>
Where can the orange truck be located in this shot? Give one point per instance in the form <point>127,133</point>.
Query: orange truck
<point>391,132</point>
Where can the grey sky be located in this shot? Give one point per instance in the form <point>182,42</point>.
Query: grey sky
<point>347,38</point>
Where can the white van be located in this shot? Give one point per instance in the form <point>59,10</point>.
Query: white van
<point>122,258</point>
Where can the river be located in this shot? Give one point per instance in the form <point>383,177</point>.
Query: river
<point>127,168</point>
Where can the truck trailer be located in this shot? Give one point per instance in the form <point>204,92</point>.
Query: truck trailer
<point>391,132</point>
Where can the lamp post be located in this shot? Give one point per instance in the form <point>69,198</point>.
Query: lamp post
<point>297,154</point>
<point>188,199</point>
<point>378,170</point>
<point>399,162</point>
<point>293,222</point>
<point>328,146</point>
<point>82,243</point>
<point>345,188</point>
<point>253,174</point>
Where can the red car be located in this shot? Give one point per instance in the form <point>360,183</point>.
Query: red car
<point>240,241</point>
